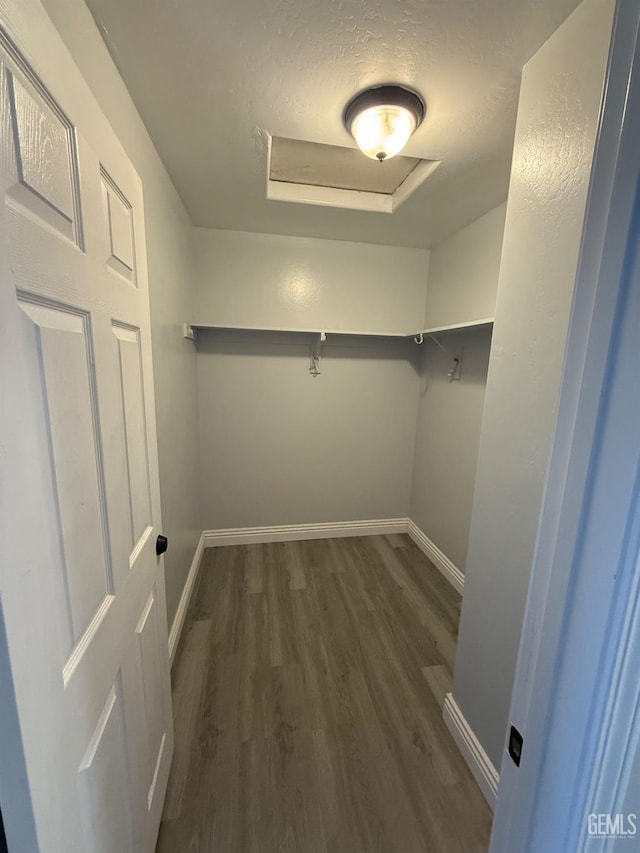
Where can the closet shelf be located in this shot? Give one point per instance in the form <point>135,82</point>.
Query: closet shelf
<point>295,331</point>
<point>189,329</point>
<point>320,335</point>
<point>472,324</point>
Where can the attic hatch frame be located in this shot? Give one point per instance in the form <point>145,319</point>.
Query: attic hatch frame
<point>373,202</point>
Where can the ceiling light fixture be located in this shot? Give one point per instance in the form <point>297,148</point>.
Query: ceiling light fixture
<point>382,119</point>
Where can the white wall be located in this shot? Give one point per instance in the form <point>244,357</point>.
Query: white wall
<point>169,255</point>
<point>462,286</point>
<point>463,272</point>
<point>297,282</point>
<point>447,439</point>
<point>555,136</point>
<point>278,446</point>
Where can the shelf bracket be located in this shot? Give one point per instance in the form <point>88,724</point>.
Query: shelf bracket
<point>188,332</point>
<point>442,346</point>
<point>314,368</point>
<point>456,367</point>
<point>454,372</point>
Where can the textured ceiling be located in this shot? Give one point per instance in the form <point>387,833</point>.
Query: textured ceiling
<point>210,78</point>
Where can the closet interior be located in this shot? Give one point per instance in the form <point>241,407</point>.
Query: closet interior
<point>304,420</point>
<point>334,386</point>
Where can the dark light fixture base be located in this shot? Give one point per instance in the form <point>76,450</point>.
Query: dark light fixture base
<point>378,96</point>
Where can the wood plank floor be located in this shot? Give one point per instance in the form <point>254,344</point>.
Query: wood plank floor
<point>308,692</point>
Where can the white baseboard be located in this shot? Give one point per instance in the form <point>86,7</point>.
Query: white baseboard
<point>479,763</point>
<point>293,532</point>
<point>333,530</point>
<point>440,561</point>
<point>185,598</point>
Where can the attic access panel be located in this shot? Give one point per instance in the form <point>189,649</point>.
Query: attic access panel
<point>299,162</point>
<point>330,175</point>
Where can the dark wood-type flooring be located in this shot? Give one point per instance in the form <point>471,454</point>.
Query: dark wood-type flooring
<point>308,692</point>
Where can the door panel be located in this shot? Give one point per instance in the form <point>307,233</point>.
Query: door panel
<point>104,781</point>
<point>44,156</point>
<point>131,385</point>
<point>81,589</point>
<point>62,340</point>
<point>150,673</point>
<point>119,229</point>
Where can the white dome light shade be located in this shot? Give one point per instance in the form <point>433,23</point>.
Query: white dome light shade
<point>382,132</point>
<point>381,120</point>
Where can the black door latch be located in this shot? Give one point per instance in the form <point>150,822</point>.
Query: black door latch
<point>515,745</point>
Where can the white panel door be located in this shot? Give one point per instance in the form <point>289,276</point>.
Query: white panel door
<point>82,590</point>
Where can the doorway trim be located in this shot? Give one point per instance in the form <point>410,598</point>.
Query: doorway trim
<point>576,660</point>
